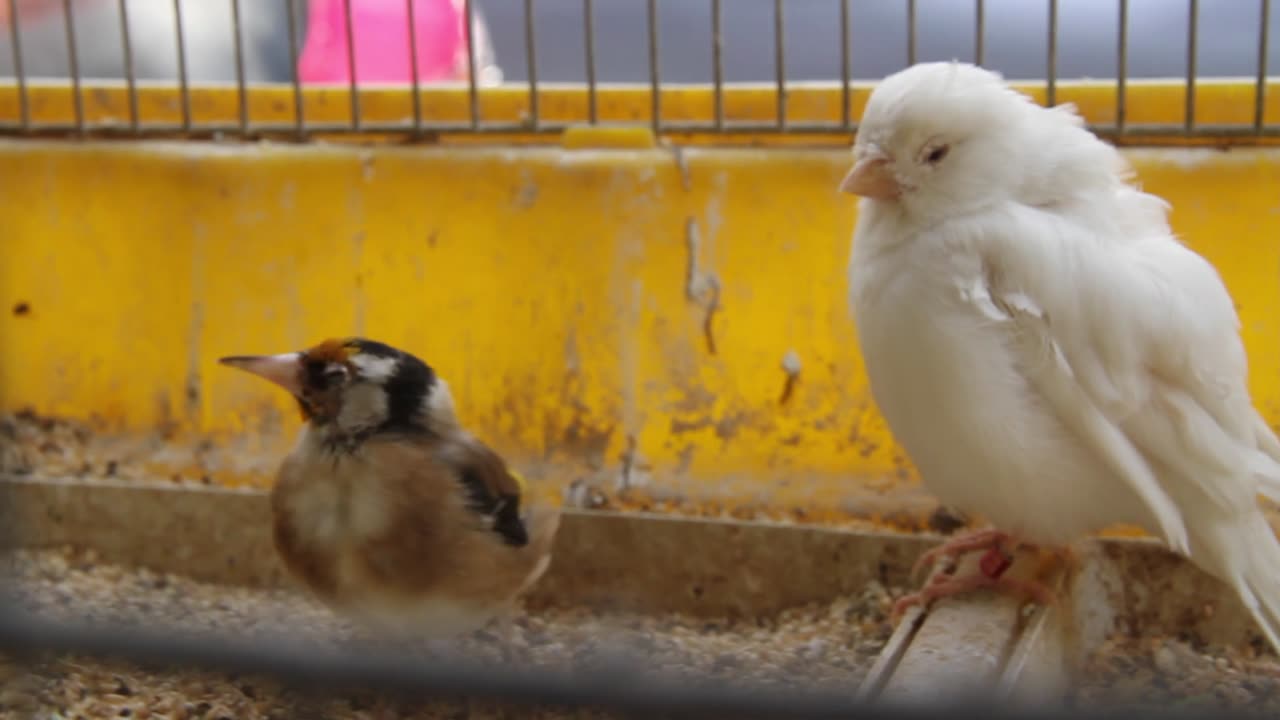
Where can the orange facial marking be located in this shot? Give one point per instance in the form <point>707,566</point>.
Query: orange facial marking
<point>332,350</point>
<point>327,351</point>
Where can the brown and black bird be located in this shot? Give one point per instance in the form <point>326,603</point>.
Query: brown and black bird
<point>387,508</point>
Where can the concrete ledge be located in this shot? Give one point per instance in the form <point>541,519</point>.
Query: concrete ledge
<point>646,563</point>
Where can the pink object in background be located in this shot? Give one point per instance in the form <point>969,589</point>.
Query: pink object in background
<point>382,41</point>
<point>28,10</point>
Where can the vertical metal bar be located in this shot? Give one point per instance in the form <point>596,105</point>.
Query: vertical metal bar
<point>241,85</point>
<point>473,95</point>
<point>299,113</point>
<point>183,85</point>
<point>1051,92</point>
<point>845,119</point>
<point>911,32</point>
<point>780,62</point>
<point>20,75</point>
<point>354,87</point>
<point>415,81</point>
<point>1122,66</point>
<point>1193,17</point>
<point>717,59</point>
<point>589,29</point>
<point>531,54</point>
<point>130,74</point>
<point>73,57</point>
<point>979,31</point>
<point>655,78</point>
<point>1260,91</point>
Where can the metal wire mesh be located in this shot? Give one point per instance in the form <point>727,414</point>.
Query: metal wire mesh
<point>614,686</point>
<point>610,685</point>
<point>294,30</point>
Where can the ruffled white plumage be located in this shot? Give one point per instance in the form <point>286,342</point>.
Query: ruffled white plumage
<point>1048,353</point>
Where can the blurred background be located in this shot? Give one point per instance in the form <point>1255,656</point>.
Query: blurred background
<point>1015,38</point>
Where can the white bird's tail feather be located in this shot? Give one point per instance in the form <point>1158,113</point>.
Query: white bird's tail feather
<point>1269,445</point>
<point>1258,578</point>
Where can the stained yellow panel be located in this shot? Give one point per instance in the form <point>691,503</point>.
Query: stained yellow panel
<point>553,288</point>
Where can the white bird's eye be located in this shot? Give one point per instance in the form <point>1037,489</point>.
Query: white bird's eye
<point>936,155</point>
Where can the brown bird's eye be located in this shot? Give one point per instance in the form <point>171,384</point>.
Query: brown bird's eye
<point>936,155</point>
<point>323,376</point>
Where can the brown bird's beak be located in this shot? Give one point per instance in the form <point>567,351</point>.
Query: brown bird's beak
<point>282,369</point>
<point>872,178</point>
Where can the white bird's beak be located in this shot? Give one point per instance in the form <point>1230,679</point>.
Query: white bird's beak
<point>282,369</point>
<point>872,178</point>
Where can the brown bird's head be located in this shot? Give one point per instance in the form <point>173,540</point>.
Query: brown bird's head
<point>352,388</point>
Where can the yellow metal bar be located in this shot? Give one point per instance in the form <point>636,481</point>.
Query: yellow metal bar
<point>553,287</point>
<point>1218,102</point>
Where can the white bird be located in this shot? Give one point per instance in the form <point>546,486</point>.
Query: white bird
<point>1051,357</point>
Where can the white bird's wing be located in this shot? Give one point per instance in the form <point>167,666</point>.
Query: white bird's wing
<point>1135,344</point>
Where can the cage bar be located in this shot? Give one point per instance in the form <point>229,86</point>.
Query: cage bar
<point>1193,16</point>
<point>184,84</point>
<point>130,74</point>
<point>415,81</point>
<point>845,110</point>
<point>473,95</point>
<point>531,54</point>
<point>911,32</point>
<point>299,111</point>
<point>242,90</point>
<point>1260,90</point>
<point>19,72</point>
<point>1122,66</point>
<point>354,87</point>
<point>1051,88</point>
<point>73,60</point>
<point>717,60</point>
<point>655,77</point>
<point>780,61</point>
<point>589,44</point>
<point>979,31</point>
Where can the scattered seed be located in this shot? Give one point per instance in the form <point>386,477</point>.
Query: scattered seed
<point>1132,674</point>
<point>819,646</point>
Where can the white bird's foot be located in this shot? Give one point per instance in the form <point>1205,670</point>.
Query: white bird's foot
<point>990,573</point>
<point>992,541</point>
<point>944,586</point>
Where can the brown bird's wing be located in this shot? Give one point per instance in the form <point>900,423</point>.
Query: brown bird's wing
<point>491,489</point>
<point>435,541</point>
